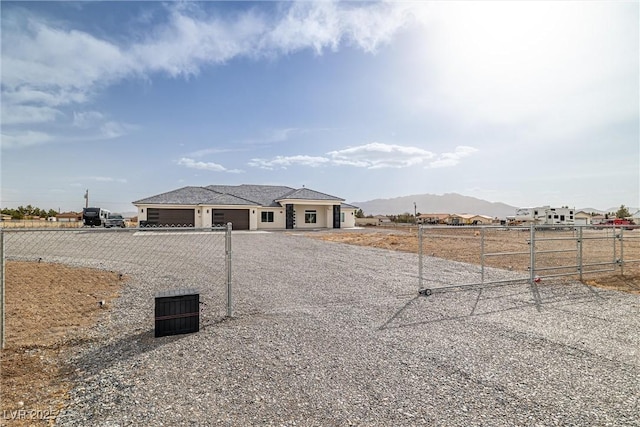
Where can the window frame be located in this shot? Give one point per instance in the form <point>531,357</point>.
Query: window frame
<point>269,217</point>
<point>310,214</point>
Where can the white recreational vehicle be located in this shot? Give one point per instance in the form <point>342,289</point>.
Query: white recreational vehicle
<point>546,215</point>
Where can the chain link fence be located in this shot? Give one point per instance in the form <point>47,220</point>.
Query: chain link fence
<point>98,265</point>
<point>493,255</point>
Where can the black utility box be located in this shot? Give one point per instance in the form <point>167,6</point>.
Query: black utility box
<point>177,312</point>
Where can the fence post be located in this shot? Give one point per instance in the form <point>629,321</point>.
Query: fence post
<point>579,243</point>
<point>420,237</point>
<point>227,252</point>
<point>532,253</point>
<point>622,251</point>
<point>482,255</point>
<point>2,289</point>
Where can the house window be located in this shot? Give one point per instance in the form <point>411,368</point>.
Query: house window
<point>341,216</point>
<point>267,216</point>
<point>310,217</point>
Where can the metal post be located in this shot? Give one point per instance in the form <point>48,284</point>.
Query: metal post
<point>420,238</point>
<point>228,262</point>
<point>532,253</point>
<point>622,251</point>
<point>2,306</point>
<point>579,243</point>
<point>613,238</point>
<point>482,255</point>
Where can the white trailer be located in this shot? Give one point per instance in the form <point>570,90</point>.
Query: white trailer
<point>546,215</point>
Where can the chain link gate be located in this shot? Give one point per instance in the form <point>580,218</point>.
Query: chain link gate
<point>152,260</point>
<point>504,255</point>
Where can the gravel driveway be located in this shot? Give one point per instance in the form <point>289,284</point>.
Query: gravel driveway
<point>327,334</point>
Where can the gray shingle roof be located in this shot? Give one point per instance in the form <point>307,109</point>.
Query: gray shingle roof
<point>348,206</point>
<point>261,195</point>
<point>308,194</point>
<point>194,196</point>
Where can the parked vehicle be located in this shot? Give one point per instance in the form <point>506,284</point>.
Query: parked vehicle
<point>627,224</point>
<point>94,217</point>
<point>114,220</point>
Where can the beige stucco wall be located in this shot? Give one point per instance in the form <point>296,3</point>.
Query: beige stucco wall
<point>349,218</point>
<point>324,215</point>
<point>321,216</point>
<point>279,219</point>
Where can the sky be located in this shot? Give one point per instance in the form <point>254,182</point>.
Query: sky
<point>525,103</point>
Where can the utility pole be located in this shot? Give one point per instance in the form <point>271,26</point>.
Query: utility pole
<point>415,213</point>
<point>86,198</point>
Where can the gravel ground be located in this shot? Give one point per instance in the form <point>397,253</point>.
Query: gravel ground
<point>327,334</point>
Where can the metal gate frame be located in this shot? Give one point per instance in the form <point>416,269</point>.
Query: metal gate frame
<point>617,237</point>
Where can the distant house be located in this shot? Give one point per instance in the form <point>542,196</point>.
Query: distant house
<point>433,218</point>
<point>6,217</point>
<point>598,219</point>
<point>247,207</point>
<point>481,220</point>
<point>636,217</point>
<point>69,217</point>
<point>582,218</point>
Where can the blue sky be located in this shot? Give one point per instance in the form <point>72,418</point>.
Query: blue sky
<point>526,103</point>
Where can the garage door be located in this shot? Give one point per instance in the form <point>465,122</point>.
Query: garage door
<point>171,217</point>
<point>238,217</point>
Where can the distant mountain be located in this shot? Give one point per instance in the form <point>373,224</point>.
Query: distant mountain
<point>432,203</point>
<point>632,210</point>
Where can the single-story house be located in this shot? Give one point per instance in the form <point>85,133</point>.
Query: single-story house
<point>433,218</point>
<point>69,217</point>
<point>5,217</point>
<point>247,207</point>
<point>481,220</point>
<point>582,218</point>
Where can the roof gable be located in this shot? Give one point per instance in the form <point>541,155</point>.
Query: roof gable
<point>308,194</point>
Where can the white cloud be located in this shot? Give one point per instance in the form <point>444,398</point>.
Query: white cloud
<point>87,119</point>
<point>47,64</point>
<point>452,159</point>
<point>24,139</point>
<point>377,155</point>
<point>209,166</point>
<point>374,155</point>
<point>28,114</point>
<point>284,161</point>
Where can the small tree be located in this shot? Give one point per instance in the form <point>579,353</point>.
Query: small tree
<point>623,212</point>
<point>359,213</point>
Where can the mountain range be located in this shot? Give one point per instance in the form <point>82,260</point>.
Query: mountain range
<point>446,203</point>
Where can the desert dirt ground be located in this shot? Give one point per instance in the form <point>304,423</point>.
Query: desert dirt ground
<point>51,306</point>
